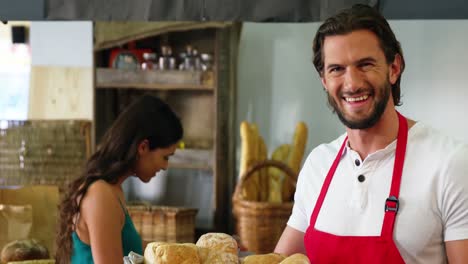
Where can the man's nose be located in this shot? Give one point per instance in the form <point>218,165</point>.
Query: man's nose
<point>353,79</point>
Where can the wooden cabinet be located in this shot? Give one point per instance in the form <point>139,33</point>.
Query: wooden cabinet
<point>204,100</point>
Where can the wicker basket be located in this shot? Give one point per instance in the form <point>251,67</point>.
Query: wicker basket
<point>164,223</point>
<point>260,224</point>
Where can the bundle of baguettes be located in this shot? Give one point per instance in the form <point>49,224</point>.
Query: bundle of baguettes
<point>211,248</point>
<point>270,184</point>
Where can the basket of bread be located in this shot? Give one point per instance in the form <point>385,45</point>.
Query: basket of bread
<point>263,197</point>
<point>211,248</point>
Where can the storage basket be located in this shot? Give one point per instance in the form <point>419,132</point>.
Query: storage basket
<point>43,152</point>
<point>260,224</point>
<point>164,223</point>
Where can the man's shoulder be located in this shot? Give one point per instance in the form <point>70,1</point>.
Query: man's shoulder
<point>437,145</point>
<point>424,134</point>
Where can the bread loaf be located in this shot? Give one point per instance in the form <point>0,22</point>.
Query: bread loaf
<point>297,258</point>
<point>216,257</point>
<point>271,258</point>
<point>217,248</point>
<point>150,251</point>
<point>19,250</point>
<point>171,253</point>
<point>40,261</point>
<point>219,242</point>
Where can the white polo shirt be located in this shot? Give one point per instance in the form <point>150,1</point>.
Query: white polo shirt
<point>433,193</point>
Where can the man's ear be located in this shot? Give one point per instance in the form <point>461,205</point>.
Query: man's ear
<point>143,147</point>
<point>324,83</point>
<point>395,69</point>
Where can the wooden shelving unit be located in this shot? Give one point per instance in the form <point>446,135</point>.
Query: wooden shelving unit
<point>204,100</point>
<point>200,159</point>
<point>154,79</point>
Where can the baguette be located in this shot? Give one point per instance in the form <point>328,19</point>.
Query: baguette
<point>276,178</point>
<point>295,159</point>
<point>254,180</point>
<point>248,157</point>
<point>263,173</point>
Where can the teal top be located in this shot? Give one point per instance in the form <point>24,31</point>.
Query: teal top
<point>131,241</point>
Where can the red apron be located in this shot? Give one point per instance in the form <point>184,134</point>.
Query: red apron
<point>323,247</point>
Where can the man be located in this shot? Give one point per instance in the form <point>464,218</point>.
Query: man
<point>390,190</point>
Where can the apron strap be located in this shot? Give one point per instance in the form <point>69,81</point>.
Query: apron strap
<point>326,184</point>
<point>392,203</point>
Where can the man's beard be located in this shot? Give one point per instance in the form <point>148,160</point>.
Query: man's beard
<point>377,111</point>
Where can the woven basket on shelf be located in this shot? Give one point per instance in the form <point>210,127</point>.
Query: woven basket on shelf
<point>164,223</point>
<point>260,224</point>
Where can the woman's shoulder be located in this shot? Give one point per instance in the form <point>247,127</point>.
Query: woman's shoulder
<point>100,186</point>
<point>100,192</point>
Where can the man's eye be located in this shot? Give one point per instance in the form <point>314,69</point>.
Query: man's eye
<point>365,65</point>
<point>166,158</point>
<point>335,69</point>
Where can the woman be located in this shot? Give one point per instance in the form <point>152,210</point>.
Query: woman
<point>94,226</point>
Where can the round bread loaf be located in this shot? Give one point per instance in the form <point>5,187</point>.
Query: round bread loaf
<point>297,258</point>
<point>219,242</point>
<point>27,249</point>
<point>271,258</point>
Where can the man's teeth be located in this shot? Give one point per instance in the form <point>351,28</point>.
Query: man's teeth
<point>356,99</point>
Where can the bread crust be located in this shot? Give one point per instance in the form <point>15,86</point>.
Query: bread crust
<point>27,249</point>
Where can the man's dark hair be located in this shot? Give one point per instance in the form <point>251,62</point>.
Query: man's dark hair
<point>356,18</point>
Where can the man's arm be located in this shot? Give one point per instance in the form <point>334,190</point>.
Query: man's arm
<point>457,251</point>
<point>290,242</point>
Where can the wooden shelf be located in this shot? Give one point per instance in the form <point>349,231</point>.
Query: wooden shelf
<point>201,159</point>
<point>154,80</point>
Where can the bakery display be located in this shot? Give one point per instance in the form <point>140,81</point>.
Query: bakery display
<point>211,248</point>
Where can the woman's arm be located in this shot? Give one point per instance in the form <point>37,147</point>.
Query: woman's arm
<point>104,219</point>
<point>291,241</point>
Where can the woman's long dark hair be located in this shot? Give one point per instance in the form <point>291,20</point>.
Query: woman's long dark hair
<point>147,118</point>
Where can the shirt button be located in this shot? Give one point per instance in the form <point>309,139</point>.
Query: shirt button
<point>357,162</point>
<point>361,178</point>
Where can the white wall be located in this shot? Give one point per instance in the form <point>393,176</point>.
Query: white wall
<point>62,70</point>
<point>434,84</point>
<point>67,44</point>
<point>278,85</point>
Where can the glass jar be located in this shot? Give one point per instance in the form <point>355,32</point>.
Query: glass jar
<point>149,61</point>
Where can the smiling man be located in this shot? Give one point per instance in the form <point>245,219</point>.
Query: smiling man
<point>390,190</point>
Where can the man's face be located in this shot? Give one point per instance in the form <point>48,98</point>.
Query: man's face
<point>357,78</point>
